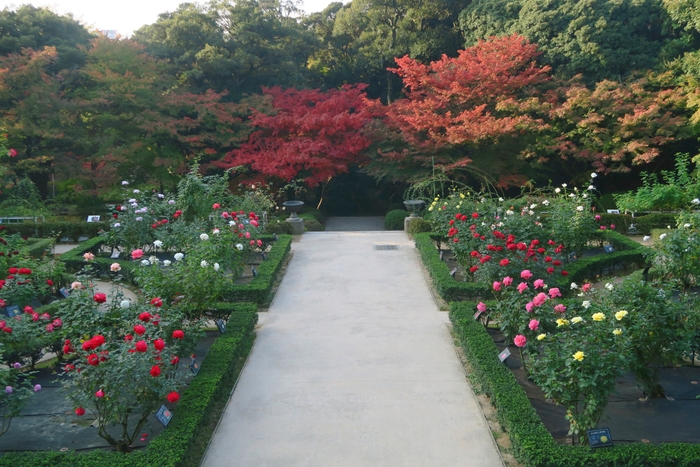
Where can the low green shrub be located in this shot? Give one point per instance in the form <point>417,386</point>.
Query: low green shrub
<point>279,227</point>
<point>532,444</point>
<point>620,221</point>
<point>394,219</point>
<point>312,225</point>
<point>174,447</point>
<point>419,226</point>
<point>656,233</point>
<point>72,230</point>
<point>37,247</point>
<point>311,213</point>
<point>646,223</point>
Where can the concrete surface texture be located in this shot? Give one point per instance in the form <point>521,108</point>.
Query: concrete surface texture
<point>349,224</point>
<point>353,366</point>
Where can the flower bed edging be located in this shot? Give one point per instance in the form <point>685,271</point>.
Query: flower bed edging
<point>173,447</point>
<point>532,444</point>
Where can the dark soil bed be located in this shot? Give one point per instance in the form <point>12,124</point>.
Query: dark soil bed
<point>630,418</point>
<point>48,422</point>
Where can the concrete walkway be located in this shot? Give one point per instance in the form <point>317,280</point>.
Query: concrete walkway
<point>353,366</point>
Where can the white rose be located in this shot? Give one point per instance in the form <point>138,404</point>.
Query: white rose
<point>579,208</point>
<point>179,256</point>
<point>571,195</point>
<point>509,213</point>
<point>137,191</point>
<point>609,286</point>
<point>158,243</point>
<point>125,304</point>
<point>239,246</point>
<point>686,225</point>
<point>500,199</point>
<point>586,304</point>
<point>594,175</point>
<point>533,206</point>
<point>124,183</point>
<point>585,196</point>
<point>145,262</point>
<point>557,190</point>
<point>563,185</point>
<point>153,260</point>
<point>167,262</point>
<point>591,187</point>
<point>231,223</point>
<point>696,201</point>
<point>662,236</point>
<point>646,238</point>
<point>204,237</point>
<point>574,286</point>
<point>216,266</point>
<point>545,202</point>
<point>204,263</point>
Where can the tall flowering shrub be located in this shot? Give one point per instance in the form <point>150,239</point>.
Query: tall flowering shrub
<point>124,359</point>
<point>677,258</point>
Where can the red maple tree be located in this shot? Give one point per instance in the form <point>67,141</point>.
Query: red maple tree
<point>482,94</point>
<point>311,134</point>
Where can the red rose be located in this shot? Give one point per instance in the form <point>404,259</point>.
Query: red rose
<point>157,302</point>
<point>164,221</point>
<point>145,316</point>
<point>2,324</point>
<point>93,359</point>
<point>216,206</point>
<point>178,334</point>
<point>49,281</point>
<point>25,271</point>
<point>564,273</point>
<point>175,360</point>
<point>13,270</point>
<point>550,270</point>
<point>173,397</point>
<point>141,346</point>
<point>475,215</point>
<point>159,344</point>
<point>88,345</point>
<point>155,371</point>
<point>139,329</point>
<point>154,226</point>
<point>68,367</point>
<point>128,338</point>
<point>100,298</point>
<point>100,394</point>
<point>115,215</point>
<point>80,411</point>
<point>28,309</point>
<point>473,269</point>
<point>452,222</point>
<point>7,329</point>
<point>556,262</point>
<point>504,262</point>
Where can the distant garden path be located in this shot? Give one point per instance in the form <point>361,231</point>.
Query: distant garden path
<point>353,366</point>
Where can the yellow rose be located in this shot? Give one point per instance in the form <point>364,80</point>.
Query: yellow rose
<point>576,319</point>
<point>578,356</point>
<point>562,322</point>
<point>598,316</point>
<point>621,314</point>
<point>461,195</point>
<point>541,336</point>
<point>617,331</point>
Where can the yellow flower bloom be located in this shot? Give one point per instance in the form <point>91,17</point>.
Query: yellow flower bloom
<point>576,319</point>
<point>598,316</point>
<point>578,356</point>
<point>562,322</point>
<point>617,331</point>
<point>461,195</point>
<point>541,336</point>
<point>621,314</point>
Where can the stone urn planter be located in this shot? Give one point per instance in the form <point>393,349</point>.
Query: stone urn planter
<point>297,223</point>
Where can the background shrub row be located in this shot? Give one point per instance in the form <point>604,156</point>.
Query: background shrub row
<point>57,230</point>
<point>532,444</point>
<point>174,447</point>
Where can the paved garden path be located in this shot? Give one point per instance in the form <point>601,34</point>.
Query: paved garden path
<point>353,366</point>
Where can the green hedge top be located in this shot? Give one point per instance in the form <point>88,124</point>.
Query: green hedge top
<point>532,444</point>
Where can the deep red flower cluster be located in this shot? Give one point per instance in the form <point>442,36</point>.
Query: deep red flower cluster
<point>94,342</point>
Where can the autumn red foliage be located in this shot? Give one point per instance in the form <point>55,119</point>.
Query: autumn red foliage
<point>311,134</point>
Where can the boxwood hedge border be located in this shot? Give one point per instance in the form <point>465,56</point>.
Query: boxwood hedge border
<point>256,291</point>
<point>174,447</point>
<point>531,443</point>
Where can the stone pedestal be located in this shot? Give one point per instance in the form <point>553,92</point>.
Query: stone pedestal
<point>408,221</point>
<point>297,225</point>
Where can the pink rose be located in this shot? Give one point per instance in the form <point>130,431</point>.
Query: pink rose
<point>522,287</point>
<point>520,340</point>
<point>497,286</point>
<point>597,217</point>
<point>136,254</point>
<point>481,306</point>
<point>507,281</point>
<point>560,308</point>
<point>539,283</point>
<point>533,325</point>
<point>539,299</point>
<point>529,306</point>
<point>554,292</point>
<point>602,227</point>
<point>586,287</point>
<point>526,274</point>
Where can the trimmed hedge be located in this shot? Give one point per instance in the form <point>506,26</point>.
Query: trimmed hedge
<point>532,444</point>
<point>57,230</point>
<point>394,219</point>
<point>174,446</point>
<point>37,247</point>
<point>627,252</point>
<point>256,291</point>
